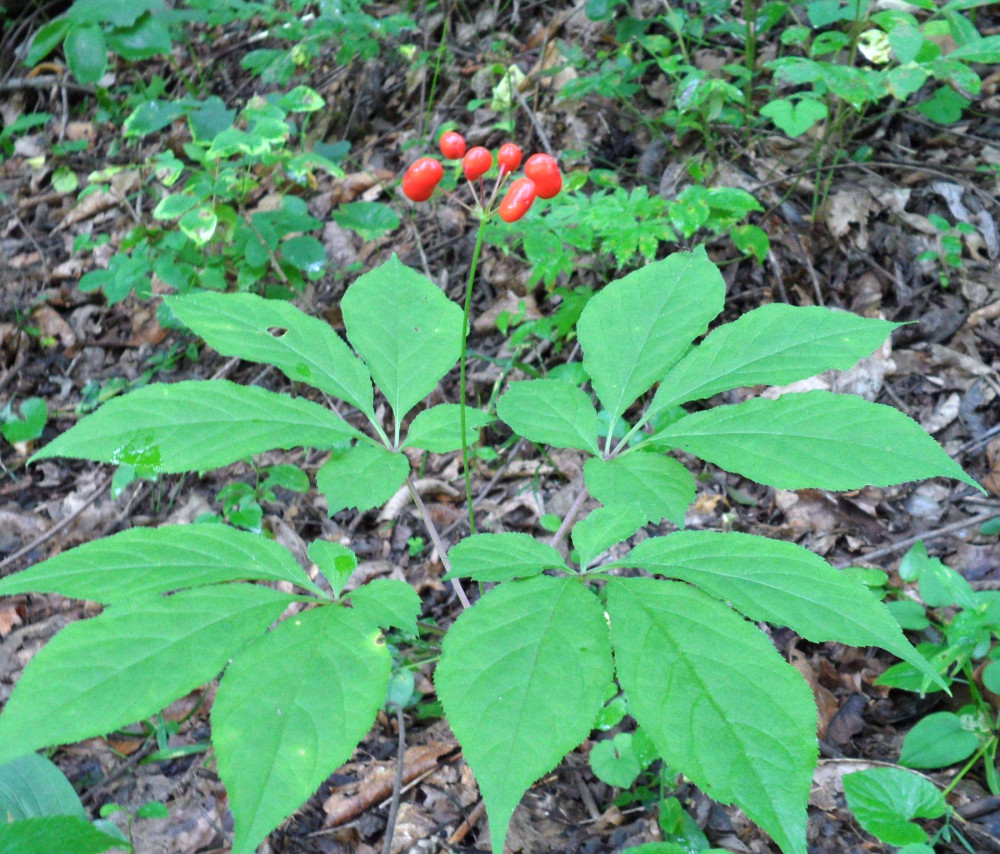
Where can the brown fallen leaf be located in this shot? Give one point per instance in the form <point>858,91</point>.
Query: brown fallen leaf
<point>342,806</point>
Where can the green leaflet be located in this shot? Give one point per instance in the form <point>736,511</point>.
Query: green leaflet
<point>63,833</point>
<point>407,331</point>
<point>500,557</point>
<point>884,800</point>
<point>552,412</point>
<point>197,425</point>
<point>772,345</point>
<point>130,662</point>
<point>362,476</point>
<point>389,603</point>
<point>603,528</point>
<point>290,710</point>
<point>523,674</point>
<point>718,701</point>
<point>638,326</point>
<point>439,429</point>
<point>659,486</point>
<point>32,786</point>
<point>781,583</point>
<point>814,440</point>
<point>142,561</point>
<point>304,348</point>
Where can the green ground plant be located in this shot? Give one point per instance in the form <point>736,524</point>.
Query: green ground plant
<point>703,683</point>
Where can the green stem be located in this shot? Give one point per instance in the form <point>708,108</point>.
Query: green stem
<point>461,371</point>
<point>965,769</point>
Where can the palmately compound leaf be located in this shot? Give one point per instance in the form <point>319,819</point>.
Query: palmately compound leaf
<point>362,476</point>
<point>273,332</point>
<point>142,561</point>
<point>884,800</point>
<point>814,440</point>
<point>718,701</point>
<point>407,331</point>
<point>604,527</point>
<point>62,833</point>
<point>196,425</point>
<point>290,710</point>
<point>523,674</point>
<point>552,412</point>
<point>771,345</point>
<point>439,429</point>
<point>781,583</point>
<point>659,486</point>
<point>500,557</point>
<point>130,662</point>
<point>638,326</point>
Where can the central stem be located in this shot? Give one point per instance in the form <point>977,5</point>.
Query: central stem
<point>461,372</point>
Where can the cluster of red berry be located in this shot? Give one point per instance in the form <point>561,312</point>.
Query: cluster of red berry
<point>542,176</point>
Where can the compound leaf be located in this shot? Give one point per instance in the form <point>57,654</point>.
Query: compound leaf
<point>718,701</point>
<point>552,412</point>
<point>523,674</point>
<point>814,440</point>
<point>659,486</point>
<point>781,583</point>
<point>197,425</point>
<point>500,557</point>
<point>407,331</point>
<point>772,345</point>
<point>290,710</point>
<point>439,429</point>
<point>638,326</point>
<point>142,561</point>
<point>304,348</point>
<point>362,476</point>
<point>130,662</point>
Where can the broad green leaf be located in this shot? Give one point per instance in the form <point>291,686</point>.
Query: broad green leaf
<point>939,740</point>
<point>371,220</point>
<point>301,99</point>
<point>290,710</point>
<point>772,345</point>
<point>197,425</point>
<point>439,429</point>
<point>66,834</point>
<point>34,414</point>
<point>638,326</point>
<point>523,674</point>
<point>130,662</point>
<point>335,561</point>
<point>884,800</point>
<point>614,762</point>
<point>32,786</point>
<point>500,557</point>
<point>273,332</point>
<point>146,38</point>
<point>814,440</point>
<point>121,13</point>
<point>603,528</point>
<point>151,116</point>
<point>407,331</point>
<point>781,583</point>
<point>306,253</point>
<point>46,40</point>
<point>199,224</point>
<point>389,603</point>
<point>86,53</point>
<point>718,701</point>
<point>552,412</point>
<point>659,486</point>
<point>362,476</point>
<point>143,561</point>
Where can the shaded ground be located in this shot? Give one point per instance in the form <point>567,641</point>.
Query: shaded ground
<point>858,251</point>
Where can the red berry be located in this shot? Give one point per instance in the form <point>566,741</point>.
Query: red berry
<point>452,145</point>
<point>476,163</point>
<point>517,201</point>
<point>421,179</point>
<point>509,157</point>
<point>544,171</point>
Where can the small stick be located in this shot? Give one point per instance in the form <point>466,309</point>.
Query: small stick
<point>567,523</point>
<point>397,786</point>
<point>436,539</point>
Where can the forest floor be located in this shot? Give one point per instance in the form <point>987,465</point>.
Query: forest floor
<point>856,249</point>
